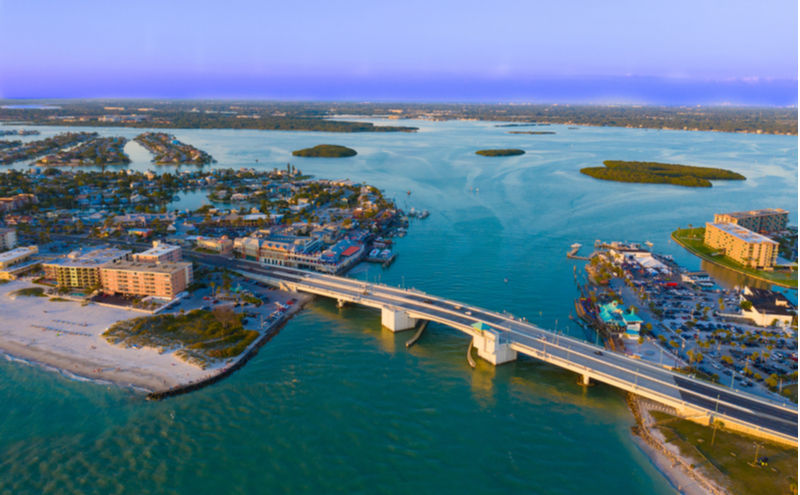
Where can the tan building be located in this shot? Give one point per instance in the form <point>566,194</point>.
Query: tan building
<point>81,268</point>
<point>161,280</point>
<point>741,245</point>
<point>8,239</point>
<point>14,202</point>
<point>767,221</point>
<point>222,245</point>
<point>15,262</point>
<point>160,253</point>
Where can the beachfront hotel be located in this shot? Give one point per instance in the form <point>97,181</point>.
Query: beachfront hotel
<point>742,245</point>
<point>81,268</point>
<point>160,253</point>
<point>160,280</point>
<point>15,262</point>
<point>766,221</point>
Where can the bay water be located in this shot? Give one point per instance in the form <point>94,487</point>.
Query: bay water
<point>335,403</point>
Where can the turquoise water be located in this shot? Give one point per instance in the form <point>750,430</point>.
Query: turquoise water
<point>335,404</point>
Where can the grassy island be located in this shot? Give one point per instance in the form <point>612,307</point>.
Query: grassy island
<point>659,173</point>
<point>693,240</point>
<point>531,132</point>
<point>507,152</point>
<point>199,337</point>
<point>326,151</point>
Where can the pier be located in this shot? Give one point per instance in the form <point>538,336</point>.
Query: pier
<point>573,253</point>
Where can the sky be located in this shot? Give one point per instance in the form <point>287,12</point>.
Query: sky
<point>614,51</point>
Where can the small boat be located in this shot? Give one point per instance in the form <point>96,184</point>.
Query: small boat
<point>505,280</point>
<point>409,193</point>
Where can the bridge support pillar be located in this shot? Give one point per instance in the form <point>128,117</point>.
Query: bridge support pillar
<point>493,348</point>
<point>586,381</point>
<point>396,319</point>
<point>340,303</point>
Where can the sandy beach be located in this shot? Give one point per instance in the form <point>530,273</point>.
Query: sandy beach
<point>67,336</point>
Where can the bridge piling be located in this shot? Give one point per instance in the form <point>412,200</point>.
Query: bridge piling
<point>396,319</point>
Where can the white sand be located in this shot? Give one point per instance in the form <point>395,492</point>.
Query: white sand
<point>92,356</point>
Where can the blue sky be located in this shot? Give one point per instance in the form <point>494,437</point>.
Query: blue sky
<point>703,52</point>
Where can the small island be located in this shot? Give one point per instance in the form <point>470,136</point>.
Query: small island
<point>326,151</point>
<point>506,152</point>
<point>531,132</point>
<point>659,173</point>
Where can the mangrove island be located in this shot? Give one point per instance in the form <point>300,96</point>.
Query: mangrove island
<point>507,152</point>
<point>659,173</point>
<point>326,151</point>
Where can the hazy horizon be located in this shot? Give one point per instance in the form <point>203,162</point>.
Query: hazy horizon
<point>681,53</point>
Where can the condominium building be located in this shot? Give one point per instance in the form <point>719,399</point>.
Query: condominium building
<point>8,239</point>
<point>81,268</point>
<point>160,253</point>
<point>16,262</point>
<point>160,280</point>
<point>767,221</point>
<point>742,245</point>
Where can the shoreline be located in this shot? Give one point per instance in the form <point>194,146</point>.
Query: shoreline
<point>240,361</point>
<point>675,468</point>
<point>35,336</point>
<point>716,263</point>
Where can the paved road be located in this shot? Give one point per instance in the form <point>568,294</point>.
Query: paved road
<point>559,350</point>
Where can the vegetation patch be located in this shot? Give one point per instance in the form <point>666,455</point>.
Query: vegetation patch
<point>29,292</point>
<point>727,457</point>
<point>531,132</point>
<point>58,299</point>
<point>506,152</point>
<point>693,240</point>
<point>659,173</point>
<point>199,337</point>
<point>326,151</point>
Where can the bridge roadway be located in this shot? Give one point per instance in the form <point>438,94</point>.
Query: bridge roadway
<point>692,398</point>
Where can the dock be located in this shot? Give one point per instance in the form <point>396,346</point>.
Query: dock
<point>573,253</point>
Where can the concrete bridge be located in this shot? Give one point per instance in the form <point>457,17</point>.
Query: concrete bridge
<point>500,338</point>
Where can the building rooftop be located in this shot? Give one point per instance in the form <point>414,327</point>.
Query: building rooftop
<point>159,250</point>
<point>755,213</point>
<point>742,233</point>
<point>16,253</point>
<point>139,266</point>
<point>89,258</point>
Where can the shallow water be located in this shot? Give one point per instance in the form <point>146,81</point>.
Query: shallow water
<point>334,403</point>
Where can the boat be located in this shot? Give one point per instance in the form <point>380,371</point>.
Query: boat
<point>409,193</point>
<point>505,280</point>
<point>648,244</point>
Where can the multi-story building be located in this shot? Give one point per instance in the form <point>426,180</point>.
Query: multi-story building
<point>767,307</point>
<point>81,268</point>
<point>767,221</point>
<point>14,202</point>
<point>222,245</point>
<point>159,280</point>
<point>15,262</point>
<point>8,239</point>
<point>280,250</point>
<point>742,245</point>
<point>160,253</point>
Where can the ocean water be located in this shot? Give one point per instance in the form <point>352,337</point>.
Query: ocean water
<point>335,404</point>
